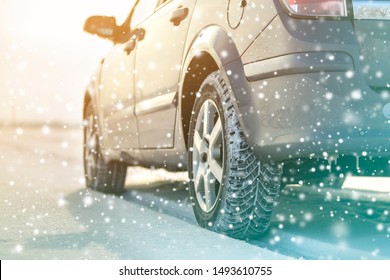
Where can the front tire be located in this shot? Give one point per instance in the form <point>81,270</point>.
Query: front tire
<point>100,175</point>
<point>232,192</point>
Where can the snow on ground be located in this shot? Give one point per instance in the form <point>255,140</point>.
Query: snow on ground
<point>46,212</point>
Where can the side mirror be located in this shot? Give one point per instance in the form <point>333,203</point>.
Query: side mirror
<point>139,33</point>
<point>101,26</point>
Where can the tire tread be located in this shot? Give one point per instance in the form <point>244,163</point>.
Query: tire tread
<point>253,186</point>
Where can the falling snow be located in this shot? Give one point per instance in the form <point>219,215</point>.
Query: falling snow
<point>332,211</point>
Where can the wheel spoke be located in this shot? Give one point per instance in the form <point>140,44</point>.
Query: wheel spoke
<point>216,170</point>
<point>209,191</point>
<point>90,124</point>
<point>197,142</point>
<point>216,133</point>
<point>207,156</point>
<point>198,177</point>
<point>90,147</point>
<point>206,119</point>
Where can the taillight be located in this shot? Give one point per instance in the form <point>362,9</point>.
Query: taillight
<point>337,8</point>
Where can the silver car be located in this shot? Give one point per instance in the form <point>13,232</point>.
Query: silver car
<point>246,95</point>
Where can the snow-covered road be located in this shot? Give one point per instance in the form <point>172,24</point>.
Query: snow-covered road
<point>46,213</point>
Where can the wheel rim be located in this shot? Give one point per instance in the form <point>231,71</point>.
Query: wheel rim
<point>91,155</point>
<point>207,156</point>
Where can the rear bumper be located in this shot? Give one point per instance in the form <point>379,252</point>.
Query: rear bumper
<point>299,63</point>
<point>305,93</point>
<point>325,144</point>
<point>314,114</point>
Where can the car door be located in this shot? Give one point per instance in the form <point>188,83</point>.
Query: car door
<point>158,61</point>
<point>117,100</point>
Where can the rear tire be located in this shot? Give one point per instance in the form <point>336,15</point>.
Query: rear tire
<point>232,192</point>
<point>100,175</point>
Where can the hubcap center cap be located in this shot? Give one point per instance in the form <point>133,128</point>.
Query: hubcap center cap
<point>203,157</point>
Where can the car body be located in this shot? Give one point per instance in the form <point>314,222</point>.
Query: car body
<point>295,79</point>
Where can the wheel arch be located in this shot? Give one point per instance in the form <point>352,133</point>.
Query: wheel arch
<point>212,49</point>
<point>89,96</point>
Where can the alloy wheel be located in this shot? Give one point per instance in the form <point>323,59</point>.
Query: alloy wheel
<point>208,156</point>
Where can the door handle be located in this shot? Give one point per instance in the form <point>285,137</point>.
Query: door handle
<point>178,15</point>
<point>129,46</point>
<point>137,35</point>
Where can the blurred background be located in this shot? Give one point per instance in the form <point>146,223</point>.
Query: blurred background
<point>46,59</point>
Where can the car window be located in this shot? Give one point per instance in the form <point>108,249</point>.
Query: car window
<point>144,9</point>
<point>163,1</point>
<point>120,11</point>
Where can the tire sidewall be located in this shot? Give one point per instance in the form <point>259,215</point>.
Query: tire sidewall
<point>88,111</point>
<point>209,91</point>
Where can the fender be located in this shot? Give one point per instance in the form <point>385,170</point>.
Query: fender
<point>91,95</point>
<point>92,90</point>
<point>216,41</point>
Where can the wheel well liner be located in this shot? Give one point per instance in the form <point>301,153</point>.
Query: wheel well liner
<point>212,49</point>
<point>198,69</point>
<point>87,99</point>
